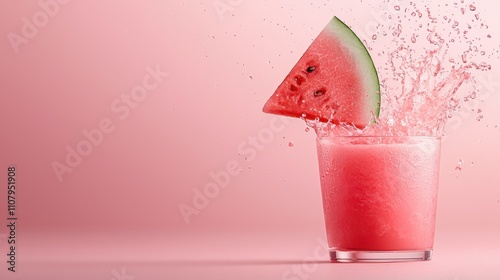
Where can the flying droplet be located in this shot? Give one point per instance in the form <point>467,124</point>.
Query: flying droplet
<point>397,8</point>
<point>472,8</point>
<point>464,58</point>
<point>290,144</point>
<point>459,165</point>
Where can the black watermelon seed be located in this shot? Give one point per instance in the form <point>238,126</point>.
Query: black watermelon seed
<point>310,69</point>
<point>319,93</point>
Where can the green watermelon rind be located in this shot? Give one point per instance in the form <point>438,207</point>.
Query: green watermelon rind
<point>365,61</point>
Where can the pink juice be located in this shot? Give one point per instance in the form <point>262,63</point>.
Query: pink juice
<point>379,193</point>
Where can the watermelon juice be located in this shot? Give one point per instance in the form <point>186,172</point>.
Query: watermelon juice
<point>379,187</point>
<point>379,196</point>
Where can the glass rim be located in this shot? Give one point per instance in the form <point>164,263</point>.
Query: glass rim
<point>377,136</point>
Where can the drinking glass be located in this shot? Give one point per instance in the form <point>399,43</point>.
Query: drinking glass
<point>379,196</point>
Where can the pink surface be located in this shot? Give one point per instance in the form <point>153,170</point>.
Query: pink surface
<point>142,106</point>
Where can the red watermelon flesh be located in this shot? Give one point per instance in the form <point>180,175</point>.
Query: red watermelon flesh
<point>335,80</point>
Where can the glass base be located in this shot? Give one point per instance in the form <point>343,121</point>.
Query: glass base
<point>380,256</point>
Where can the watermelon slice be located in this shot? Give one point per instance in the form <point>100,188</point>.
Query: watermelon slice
<point>335,80</point>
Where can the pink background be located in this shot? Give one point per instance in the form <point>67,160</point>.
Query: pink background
<point>119,207</point>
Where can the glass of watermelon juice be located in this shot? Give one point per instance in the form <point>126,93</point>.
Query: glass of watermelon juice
<point>379,196</point>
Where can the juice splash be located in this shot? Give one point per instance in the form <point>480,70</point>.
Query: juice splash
<point>428,54</point>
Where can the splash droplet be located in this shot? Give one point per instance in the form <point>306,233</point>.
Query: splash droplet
<point>472,8</point>
<point>464,58</point>
<point>414,72</point>
<point>307,129</point>
<point>290,144</point>
<point>459,165</point>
